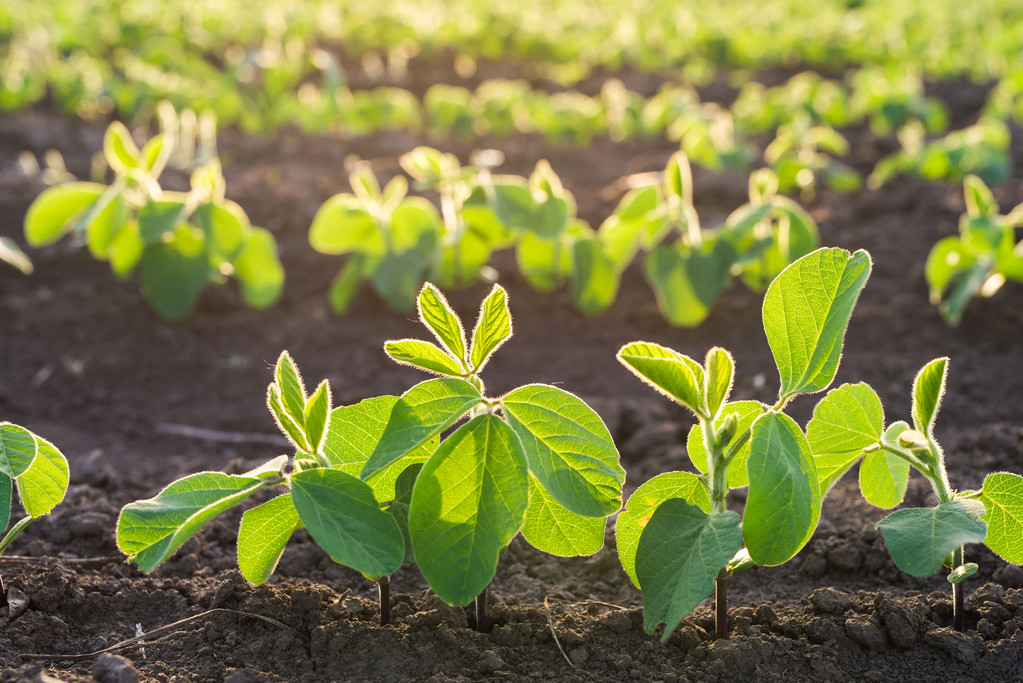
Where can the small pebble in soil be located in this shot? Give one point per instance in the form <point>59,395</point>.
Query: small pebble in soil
<point>114,669</point>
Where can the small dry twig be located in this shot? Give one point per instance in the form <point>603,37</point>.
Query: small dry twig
<point>550,624</point>
<point>162,630</point>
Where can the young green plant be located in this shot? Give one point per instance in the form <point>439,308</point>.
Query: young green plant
<point>677,539</point>
<point>536,460</point>
<point>321,492</point>
<point>40,473</point>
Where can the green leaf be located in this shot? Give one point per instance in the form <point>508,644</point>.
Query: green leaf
<point>568,448</point>
<point>687,280</point>
<point>119,149</point>
<point>979,200</point>
<point>6,496</point>
<point>436,314</point>
<point>353,434</point>
<point>514,205</point>
<point>806,311</point>
<point>43,485</point>
<point>259,270</point>
<point>784,503</point>
<point>159,218</point>
<point>264,531</point>
<point>226,228</point>
<point>154,154</point>
<point>1002,496</point>
<point>717,382</point>
<point>962,572</point>
<point>552,216</point>
<point>148,531</point>
<point>594,277</point>
<point>883,479</point>
<point>343,225</point>
<point>344,286</point>
<point>680,553</point>
<point>678,377</point>
<point>928,388</point>
<point>174,272</point>
<point>11,254</point>
<point>641,505</point>
<point>401,504</point>
<point>422,412</point>
<point>56,211</point>
<point>423,355</point>
<point>469,501</point>
<point>919,539</point>
<point>345,519</point>
<point>18,448</point>
<point>397,277</point>
<point>126,250</point>
<point>745,412</point>
<point>292,389</point>
<point>554,529</point>
<point>317,415</point>
<point>493,327</point>
<point>103,230</point>
<point>847,420</point>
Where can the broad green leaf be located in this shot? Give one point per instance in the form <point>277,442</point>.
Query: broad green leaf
<point>401,504</point>
<point>292,389</point>
<point>148,531</point>
<point>469,501</point>
<point>160,218</point>
<point>554,529</point>
<point>422,412</point>
<point>174,272</point>
<point>1002,496</point>
<point>687,281</point>
<point>979,200</point>
<point>641,505</point>
<point>119,149</point>
<point>847,420</point>
<point>745,412</point>
<point>264,531</point>
<point>680,553</point>
<point>928,388</point>
<point>493,327</point>
<point>568,448</point>
<point>883,478</point>
<point>126,250</point>
<point>514,205</point>
<point>101,232</point>
<point>11,254</point>
<point>285,421</point>
<point>345,519</point>
<point>459,264</point>
<point>397,278</point>
<point>56,211</point>
<point>544,263</point>
<point>784,502</point>
<point>259,270</point>
<point>678,377</point>
<point>6,494</point>
<point>226,227</point>
<point>436,314</point>
<point>343,225</point>
<point>43,485</point>
<point>317,415</point>
<point>717,382</point>
<point>344,286</point>
<point>18,448</point>
<point>919,539</point>
<point>353,434</point>
<point>595,278</point>
<point>806,311</point>
<point>423,355</point>
<point>552,216</point>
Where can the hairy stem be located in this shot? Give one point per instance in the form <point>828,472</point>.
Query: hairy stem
<point>384,588</point>
<point>958,594</point>
<point>483,624</point>
<point>721,606</point>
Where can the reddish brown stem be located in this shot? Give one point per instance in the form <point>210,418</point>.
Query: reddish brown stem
<point>384,587</point>
<point>482,621</point>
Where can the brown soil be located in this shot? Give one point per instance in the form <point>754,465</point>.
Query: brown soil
<point>86,364</point>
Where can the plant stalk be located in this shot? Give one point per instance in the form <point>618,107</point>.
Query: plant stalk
<point>384,588</point>
<point>721,606</point>
<point>958,594</point>
<point>483,624</point>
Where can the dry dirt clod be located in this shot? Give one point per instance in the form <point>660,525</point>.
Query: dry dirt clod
<point>114,669</point>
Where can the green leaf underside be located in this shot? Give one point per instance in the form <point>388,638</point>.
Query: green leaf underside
<point>847,420</point>
<point>746,412</point>
<point>552,528</point>
<point>345,519</point>
<point>469,501</point>
<point>678,377</point>
<point>354,432</point>
<point>493,327</point>
<point>919,539</point>
<point>806,311</point>
<point>149,531</point>
<point>928,388</point>
<point>883,479</point>
<point>18,449</point>
<point>422,412</point>
<point>6,494</point>
<point>45,482</point>
<point>423,355</point>
<point>568,448</point>
<point>259,270</point>
<point>436,314</point>
<point>634,518</point>
<point>264,531</point>
<point>289,381</point>
<point>784,502</point>
<point>680,553</point>
<point>1003,499</point>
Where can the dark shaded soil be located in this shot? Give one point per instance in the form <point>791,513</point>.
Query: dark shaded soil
<point>87,365</point>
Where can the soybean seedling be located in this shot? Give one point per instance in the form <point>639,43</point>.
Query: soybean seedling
<point>537,460</point>
<point>849,424</point>
<point>677,539</point>
<point>40,472</point>
<point>321,492</point>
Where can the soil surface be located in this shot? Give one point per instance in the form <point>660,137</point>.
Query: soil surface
<point>127,396</point>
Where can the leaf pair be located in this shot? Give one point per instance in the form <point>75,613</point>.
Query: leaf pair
<point>302,418</point>
<point>39,470</point>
